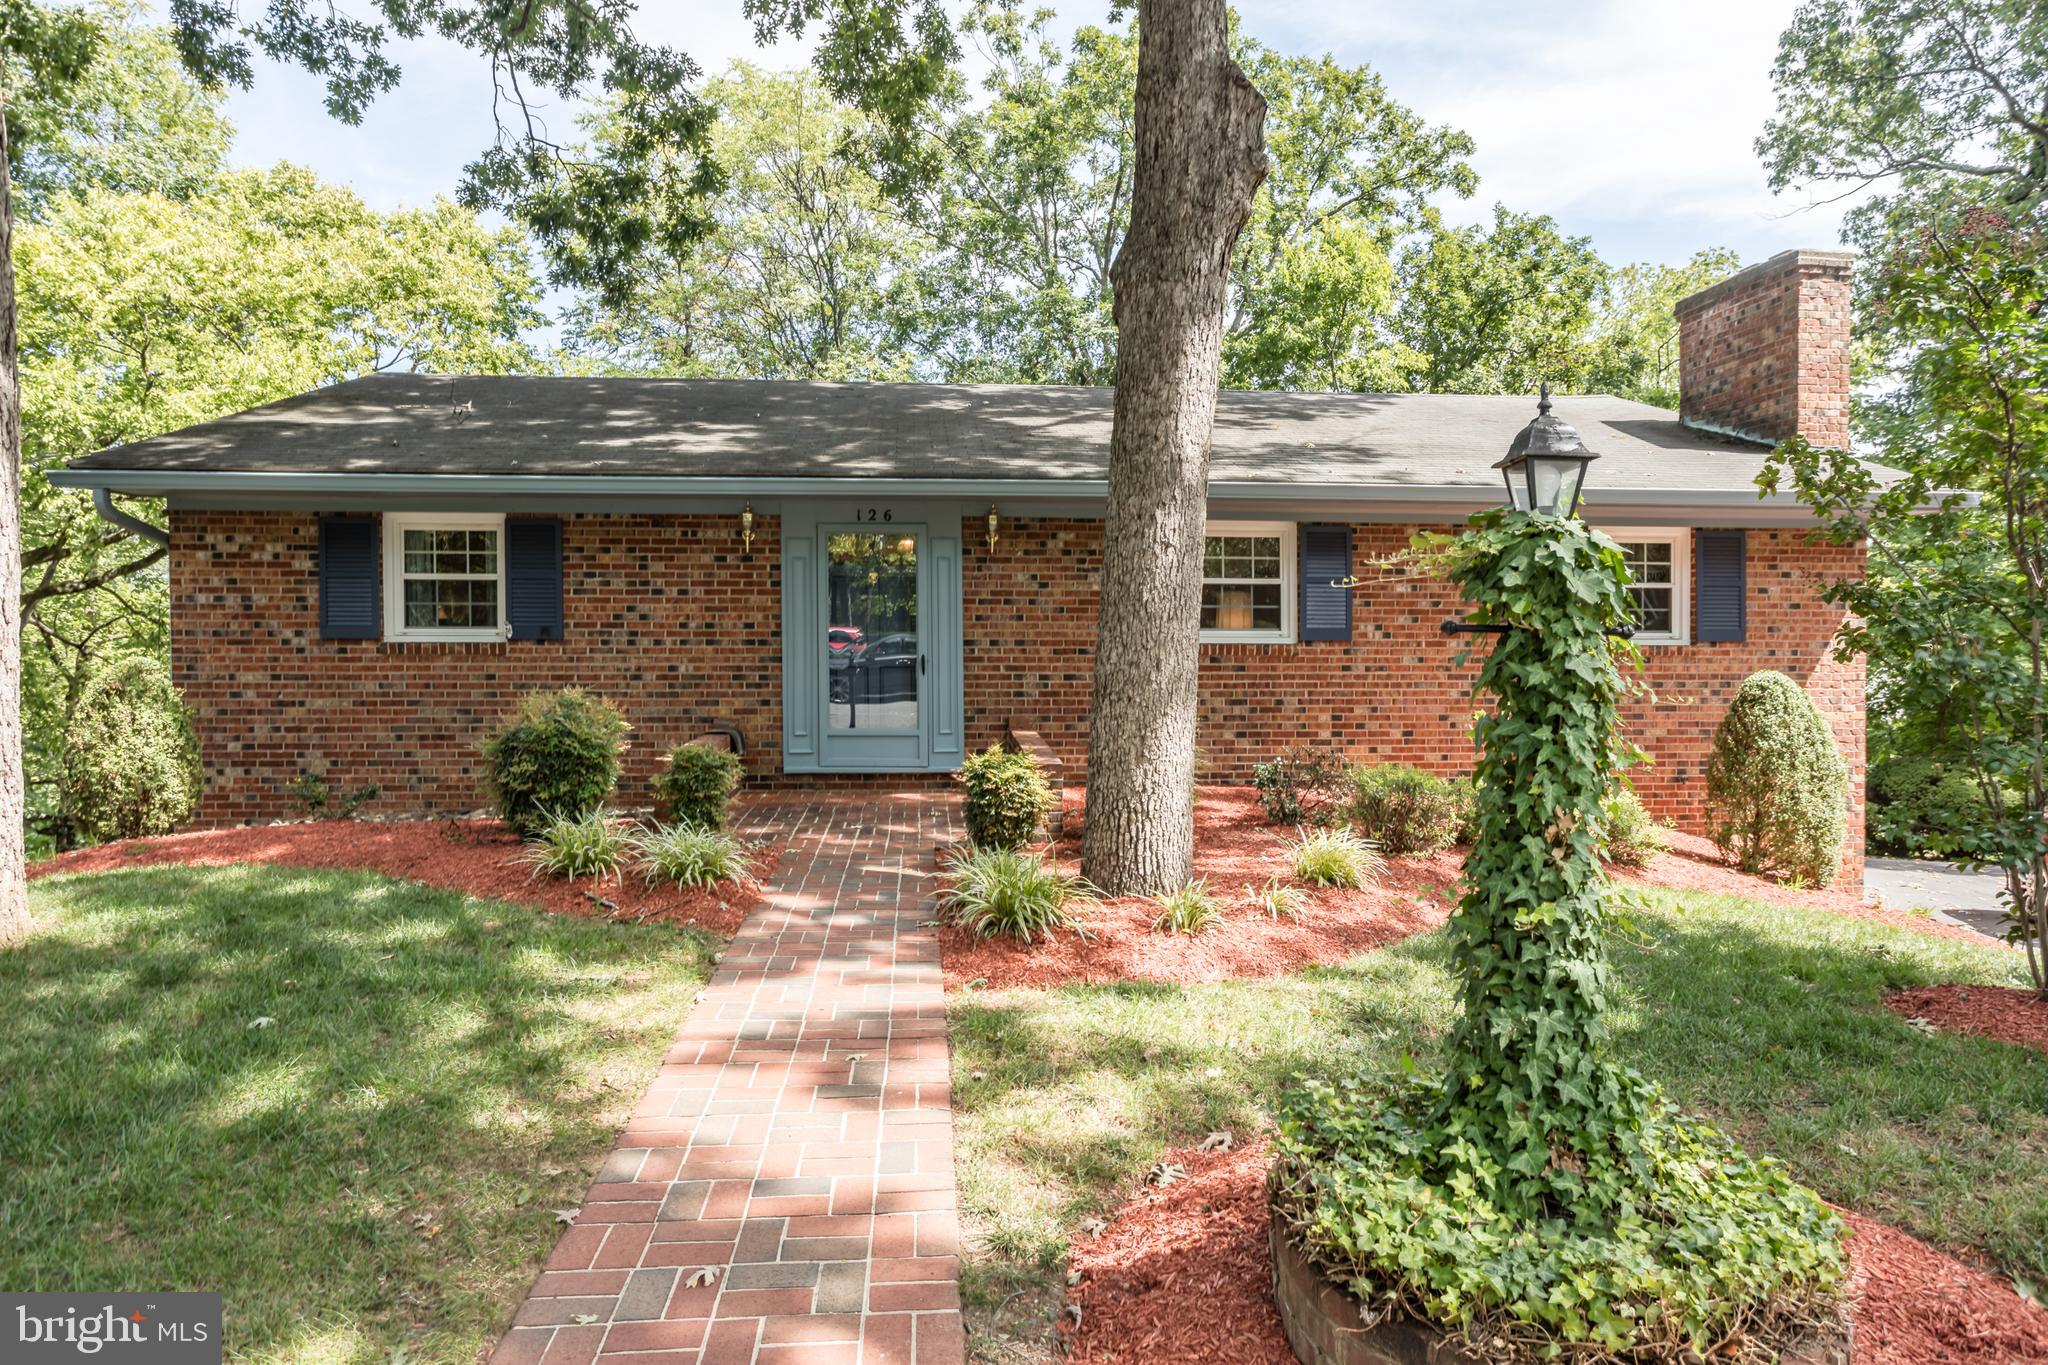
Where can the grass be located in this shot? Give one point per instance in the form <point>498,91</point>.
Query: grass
<point>347,1103</point>
<point>1763,1018</point>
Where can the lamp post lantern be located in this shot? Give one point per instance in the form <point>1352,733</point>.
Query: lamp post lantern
<point>1545,467</point>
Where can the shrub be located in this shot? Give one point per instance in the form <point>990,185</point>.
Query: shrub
<point>1922,806</point>
<point>131,761</point>
<point>1008,798</point>
<point>310,790</point>
<point>1304,786</point>
<point>1465,792</point>
<point>587,845</point>
<point>1190,910</point>
<point>689,855</point>
<point>1277,899</point>
<point>994,891</point>
<point>699,784</point>
<point>1337,857</point>
<point>1776,785</point>
<point>1406,810</point>
<point>557,755</point>
<point>1628,835</point>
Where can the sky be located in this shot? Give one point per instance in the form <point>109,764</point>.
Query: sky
<point>1629,121</point>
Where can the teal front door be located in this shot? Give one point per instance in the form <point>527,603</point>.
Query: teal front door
<point>871,637</point>
<point>876,659</point>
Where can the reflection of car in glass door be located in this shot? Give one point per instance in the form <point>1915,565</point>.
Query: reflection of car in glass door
<point>874,662</point>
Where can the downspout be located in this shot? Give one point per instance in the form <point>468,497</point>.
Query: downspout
<point>103,503</point>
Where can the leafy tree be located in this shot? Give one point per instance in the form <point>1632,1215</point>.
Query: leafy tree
<point>1499,309</point>
<point>1633,348</point>
<point>795,279</point>
<point>1953,614</point>
<point>1908,94</point>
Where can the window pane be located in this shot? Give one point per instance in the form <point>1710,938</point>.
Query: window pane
<point>1653,609</point>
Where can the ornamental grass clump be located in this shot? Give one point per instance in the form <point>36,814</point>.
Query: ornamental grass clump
<point>1277,899</point>
<point>689,855</point>
<point>587,845</point>
<point>557,755</point>
<point>1190,909</point>
<point>1776,784</point>
<point>1336,857</point>
<point>991,891</point>
<point>1538,1197</point>
<point>1008,799</point>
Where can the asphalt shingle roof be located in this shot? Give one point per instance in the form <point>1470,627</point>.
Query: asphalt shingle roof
<point>708,428</point>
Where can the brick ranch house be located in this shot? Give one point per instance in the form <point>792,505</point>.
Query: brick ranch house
<point>877,578</point>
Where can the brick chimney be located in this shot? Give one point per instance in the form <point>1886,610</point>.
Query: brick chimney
<point>1764,354</point>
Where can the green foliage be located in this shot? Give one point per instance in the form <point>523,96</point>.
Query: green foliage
<point>1777,787</point>
<point>1277,899</point>
<point>1715,1244</point>
<point>556,757</point>
<point>1304,786</point>
<point>1634,345</point>
<point>1336,857</point>
<point>992,891</point>
<point>689,855</point>
<point>1921,806</point>
<point>589,845</point>
<point>1189,909</point>
<point>1537,1190</point>
<point>1628,835</point>
<point>311,791</point>
<point>131,765</point>
<point>1406,810</point>
<point>699,784</point>
<point>1008,798</point>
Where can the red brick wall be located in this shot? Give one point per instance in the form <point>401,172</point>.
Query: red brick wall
<point>664,614</point>
<point>668,617</point>
<point>1765,353</point>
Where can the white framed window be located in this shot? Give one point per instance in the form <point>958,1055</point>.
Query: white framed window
<point>1660,563</point>
<point>444,576</point>
<point>1248,573</point>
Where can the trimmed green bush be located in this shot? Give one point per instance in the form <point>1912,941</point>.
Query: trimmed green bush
<point>131,760</point>
<point>1336,857</point>
<point>557,755</point>
<point>1192,909</point>
<point>994,891</point>
<point>1628,835</point>
<point>1008,798</point>
<point>1777,787</point>
<point>1303,786</point>
<point>699,785</point>
<point>689,855</point>
<point>587,845</point>
<point>1405,810</point>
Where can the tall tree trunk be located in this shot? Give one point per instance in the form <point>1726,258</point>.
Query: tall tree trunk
<point>1200,155</point>
<point>14,921</point>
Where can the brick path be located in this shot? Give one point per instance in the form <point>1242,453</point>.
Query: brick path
<point>798,1136</point>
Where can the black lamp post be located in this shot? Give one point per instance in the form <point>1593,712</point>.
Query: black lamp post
<point>1545,467</point>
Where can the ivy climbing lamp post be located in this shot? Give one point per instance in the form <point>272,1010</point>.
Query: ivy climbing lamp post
<point>1545,467</point>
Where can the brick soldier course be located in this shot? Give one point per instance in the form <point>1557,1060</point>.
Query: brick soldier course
<point>797,1139</point>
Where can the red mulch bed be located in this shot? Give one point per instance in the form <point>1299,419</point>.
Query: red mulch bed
<point>1234,846</point>
<point>2006,1013</point>
<point>1182,1273</point>
<point>480,857</point>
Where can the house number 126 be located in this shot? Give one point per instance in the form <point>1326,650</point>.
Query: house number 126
<point>875,514</point>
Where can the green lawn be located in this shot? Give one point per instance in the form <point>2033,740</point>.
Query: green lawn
<point>367,1176</point>
<point>1764,1018</point>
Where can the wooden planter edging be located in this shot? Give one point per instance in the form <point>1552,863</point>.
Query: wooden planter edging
<point>1325,1326</point>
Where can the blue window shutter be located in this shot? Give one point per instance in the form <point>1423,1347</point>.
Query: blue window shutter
<point>1325,559</point>
<point>1722,571</point>
<point>533,577</point>
<point>349,590</point>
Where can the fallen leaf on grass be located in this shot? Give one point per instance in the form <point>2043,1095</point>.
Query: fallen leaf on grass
<point>1164,1173</point>
<point>566,1216</point>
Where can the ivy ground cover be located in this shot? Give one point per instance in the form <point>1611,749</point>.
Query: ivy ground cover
<point>349,1104</point>
<point>1767,1019</point>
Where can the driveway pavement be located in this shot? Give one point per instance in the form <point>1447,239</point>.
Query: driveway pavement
<point>1954,895</point>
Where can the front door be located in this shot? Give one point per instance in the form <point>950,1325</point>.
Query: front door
<point>876,659</point>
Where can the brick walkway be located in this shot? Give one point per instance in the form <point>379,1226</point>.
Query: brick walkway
<point>798,1137</point>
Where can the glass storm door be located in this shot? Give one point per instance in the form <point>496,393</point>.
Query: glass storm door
<point>875,657</point>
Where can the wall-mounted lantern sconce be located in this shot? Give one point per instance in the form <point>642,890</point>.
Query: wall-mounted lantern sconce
<point>747,527</point>
<point>993,523</point>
